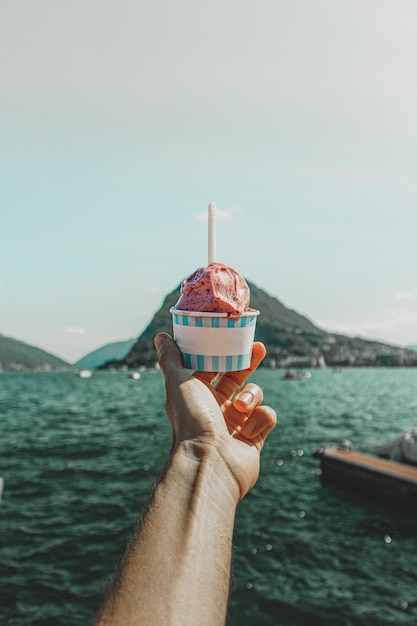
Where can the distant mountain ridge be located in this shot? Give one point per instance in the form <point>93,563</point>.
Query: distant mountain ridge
<point>109,352</point>
<point>18,355</point>
<point>291,339</point>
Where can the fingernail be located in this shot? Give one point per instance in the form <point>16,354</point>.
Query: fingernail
<point>249,427</point>
<point>159,341</point>
<point>247,398</point>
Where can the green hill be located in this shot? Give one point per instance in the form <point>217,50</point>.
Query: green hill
<point>291,339</point>
<point>109,352</point>
<point>17,355</point>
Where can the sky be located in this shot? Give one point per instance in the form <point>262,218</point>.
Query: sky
<point>121,120</point>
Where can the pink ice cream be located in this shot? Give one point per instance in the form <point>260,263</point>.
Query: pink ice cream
<point>217,288</point>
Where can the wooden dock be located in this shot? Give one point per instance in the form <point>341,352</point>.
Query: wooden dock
<point>391,480</point>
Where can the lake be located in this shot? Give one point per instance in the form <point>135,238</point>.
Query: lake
<point>79,458</point>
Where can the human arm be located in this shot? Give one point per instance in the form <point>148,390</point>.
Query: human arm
<point>176,569</point>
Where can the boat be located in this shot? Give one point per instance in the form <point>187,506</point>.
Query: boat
<point>390,474</point>
<point>297,375</point>
<point>85,373</point>
<point>134,375</point>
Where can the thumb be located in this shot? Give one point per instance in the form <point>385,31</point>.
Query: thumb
<point>168,353</point>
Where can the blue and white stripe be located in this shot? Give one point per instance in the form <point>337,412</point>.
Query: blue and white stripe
<point>214,322</point>
<point>214,343</point>
<point>207,363</point>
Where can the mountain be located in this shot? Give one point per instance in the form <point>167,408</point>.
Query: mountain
<point>291,339</point>
<point>17,355</point>
<point>110,352</point>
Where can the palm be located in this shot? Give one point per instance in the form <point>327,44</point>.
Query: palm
<point>214,414</point>
<point>203,410</point>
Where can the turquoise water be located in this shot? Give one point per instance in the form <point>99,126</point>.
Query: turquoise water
<point>79,457</point>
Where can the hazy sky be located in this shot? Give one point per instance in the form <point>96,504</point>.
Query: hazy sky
<point>121,120</point>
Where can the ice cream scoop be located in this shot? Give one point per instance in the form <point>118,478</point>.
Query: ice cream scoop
<point>216,288</point>
<point>213,325</point>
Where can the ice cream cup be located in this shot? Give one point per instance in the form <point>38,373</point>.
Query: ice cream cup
<point>214,342</point>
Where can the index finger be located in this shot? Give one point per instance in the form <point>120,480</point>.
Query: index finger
<point>230,382</point>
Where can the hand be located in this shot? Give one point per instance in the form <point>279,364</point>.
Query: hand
<point>217,413</point>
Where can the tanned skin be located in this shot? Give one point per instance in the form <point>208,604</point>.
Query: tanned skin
<point>176,569</point>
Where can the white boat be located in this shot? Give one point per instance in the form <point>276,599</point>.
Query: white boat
<point>85,373</point>
<point>134,375</point>
<point>297,375</point>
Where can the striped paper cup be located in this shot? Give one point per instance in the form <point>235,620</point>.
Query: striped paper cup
<point>214,342</point>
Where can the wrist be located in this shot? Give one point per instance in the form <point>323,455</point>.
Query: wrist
<point>202,467</point>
